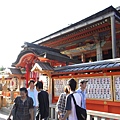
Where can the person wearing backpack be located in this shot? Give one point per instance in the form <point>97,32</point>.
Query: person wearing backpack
<point>70,105</point>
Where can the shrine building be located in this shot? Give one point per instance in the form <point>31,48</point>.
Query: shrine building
<point>89,49</point>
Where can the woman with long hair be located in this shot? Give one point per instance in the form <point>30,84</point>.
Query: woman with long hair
<point>23,107</point>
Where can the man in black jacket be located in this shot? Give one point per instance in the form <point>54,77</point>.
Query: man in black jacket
<point>43,101</point>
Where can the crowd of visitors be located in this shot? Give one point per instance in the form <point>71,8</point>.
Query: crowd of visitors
<point>33,102</point>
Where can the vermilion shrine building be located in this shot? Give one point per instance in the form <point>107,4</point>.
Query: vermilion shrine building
<point>80,50</point>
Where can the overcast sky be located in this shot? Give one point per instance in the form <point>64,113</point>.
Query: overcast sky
<point>29,20</point>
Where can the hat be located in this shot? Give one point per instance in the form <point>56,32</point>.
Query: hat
<point>83,80</point>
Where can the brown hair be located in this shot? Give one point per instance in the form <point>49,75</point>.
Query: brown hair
<point>66,90</point>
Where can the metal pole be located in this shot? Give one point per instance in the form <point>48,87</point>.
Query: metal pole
<point>113,35</point>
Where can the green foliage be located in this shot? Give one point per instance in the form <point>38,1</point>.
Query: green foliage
<point>2,68</point>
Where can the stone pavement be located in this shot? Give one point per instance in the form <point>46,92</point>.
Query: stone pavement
<point>4,112</point>
<point>3,115</point>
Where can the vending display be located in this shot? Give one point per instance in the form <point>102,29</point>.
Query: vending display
<point>59,86</point>
<point>116,86</point>
<point>99,88</point>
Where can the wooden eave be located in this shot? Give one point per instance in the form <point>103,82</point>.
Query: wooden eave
<point>76,36</point>
<point>104,14</point>
<point>90,30</point>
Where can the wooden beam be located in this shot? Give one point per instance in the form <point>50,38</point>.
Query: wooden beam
<point>79,35</point>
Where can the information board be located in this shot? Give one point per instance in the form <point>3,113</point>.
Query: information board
<point>116,86</point>
<point>59,86</point>
<point>99,88</point>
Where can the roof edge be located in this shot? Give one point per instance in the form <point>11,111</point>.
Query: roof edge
<point>72,27</point>
<point>88,63</point>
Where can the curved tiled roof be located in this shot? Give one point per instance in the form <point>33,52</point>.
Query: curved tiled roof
<point>42,51</point>
<point>112,63</point>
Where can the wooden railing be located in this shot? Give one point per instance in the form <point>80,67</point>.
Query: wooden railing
<point>91,115</point>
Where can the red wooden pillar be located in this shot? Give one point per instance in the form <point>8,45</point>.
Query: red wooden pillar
<point>36,76</point>
<point>27,74</point>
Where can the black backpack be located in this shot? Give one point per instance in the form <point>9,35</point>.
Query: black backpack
<point>80,112</point>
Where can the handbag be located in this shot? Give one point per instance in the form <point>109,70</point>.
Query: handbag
<point>80,112</point>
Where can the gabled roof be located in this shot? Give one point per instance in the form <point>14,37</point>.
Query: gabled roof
<point>99,65</point>
<point>42,67</point>
<point>46,52</point>
<point>89,20</point>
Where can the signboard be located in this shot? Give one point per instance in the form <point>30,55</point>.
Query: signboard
<point>59,86</point>
<point>44,79</point>
<point>116,86</point>
<point>99,88</point>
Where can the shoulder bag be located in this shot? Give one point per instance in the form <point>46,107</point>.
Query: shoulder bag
<point>80,112</point>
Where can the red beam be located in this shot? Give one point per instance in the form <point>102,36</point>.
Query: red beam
<point>51,43</point>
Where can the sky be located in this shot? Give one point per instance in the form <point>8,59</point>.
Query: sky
<point>29,20</point>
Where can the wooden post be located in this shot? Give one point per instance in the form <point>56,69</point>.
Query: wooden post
<point>50,87</point>
<point>27,75</point>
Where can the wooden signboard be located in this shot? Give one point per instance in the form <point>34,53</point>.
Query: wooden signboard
<point>116,87</point>
<point>59,86</point>
<point>44,79</point>
<point>99,88</point>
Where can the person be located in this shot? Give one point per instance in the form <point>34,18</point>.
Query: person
<point>43,101</point>
<point>70,106</point>
<point>23,106</point>
<point>81,90</point>
<point>33,93</point>
<point>60,106</point>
